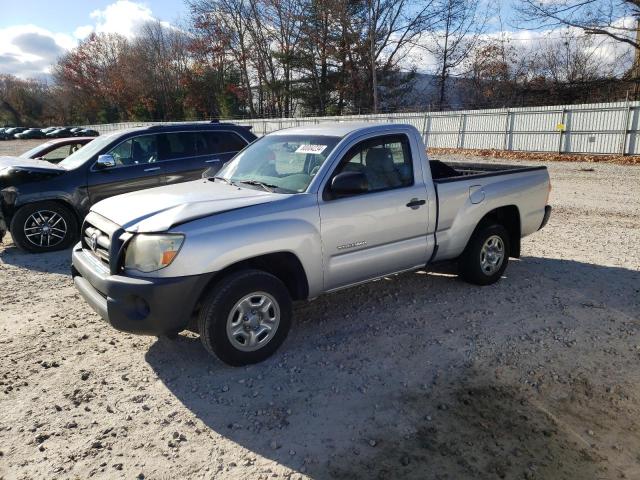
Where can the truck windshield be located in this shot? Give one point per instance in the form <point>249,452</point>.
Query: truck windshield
<point>283,163</point>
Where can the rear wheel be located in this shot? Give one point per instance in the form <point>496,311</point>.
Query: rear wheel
<point>44,227</point>
<point>245,318</point>
<point>486,256</point>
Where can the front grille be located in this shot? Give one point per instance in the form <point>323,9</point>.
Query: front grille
<point>97,242</point>
<point>103,239</point>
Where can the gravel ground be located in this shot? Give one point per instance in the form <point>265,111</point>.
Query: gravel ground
<point>414,376</point>
<point>18,147</point>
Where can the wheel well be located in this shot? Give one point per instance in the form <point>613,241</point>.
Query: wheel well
<point>284,265</point>
<point>509,218</point>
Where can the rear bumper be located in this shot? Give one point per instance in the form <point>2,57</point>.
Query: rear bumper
<point>145,306</point>
<point>547,214</point>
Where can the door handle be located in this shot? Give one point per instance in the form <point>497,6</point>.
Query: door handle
<point>212,160</point>
<point>415,203</point>
<point>153,169</point>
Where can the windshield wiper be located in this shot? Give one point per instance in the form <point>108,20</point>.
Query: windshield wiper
<point>266,186</point>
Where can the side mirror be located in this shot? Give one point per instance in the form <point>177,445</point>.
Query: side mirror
<point>105,161</point>
<point>349,183</point>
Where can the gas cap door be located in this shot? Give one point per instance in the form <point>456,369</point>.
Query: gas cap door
<point>476,193</point>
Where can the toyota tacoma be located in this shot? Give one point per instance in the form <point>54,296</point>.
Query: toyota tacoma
<point>298,213</point>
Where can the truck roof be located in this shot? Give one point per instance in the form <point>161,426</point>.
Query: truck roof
<point>341,129</point>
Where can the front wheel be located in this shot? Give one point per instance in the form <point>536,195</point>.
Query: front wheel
<point>485,259</point>
<point>44,227</point>
<point>245,318</point>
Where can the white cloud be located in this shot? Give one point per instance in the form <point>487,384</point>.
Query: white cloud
<point>612,54</point>
<point>29,51</point>
<point>83,31</point>
<point>124,17</point>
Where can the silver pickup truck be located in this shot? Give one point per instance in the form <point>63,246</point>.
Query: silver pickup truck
<point>298,213</point>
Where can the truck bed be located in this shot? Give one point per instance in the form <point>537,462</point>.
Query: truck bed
<point>442,172</point>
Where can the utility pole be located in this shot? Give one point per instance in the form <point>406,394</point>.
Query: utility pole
<point>373,21</point>
<point>636,63</point>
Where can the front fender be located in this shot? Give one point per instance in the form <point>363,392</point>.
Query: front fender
<point>209,248</point>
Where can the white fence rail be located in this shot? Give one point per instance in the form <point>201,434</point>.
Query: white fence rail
<point>602,128</point>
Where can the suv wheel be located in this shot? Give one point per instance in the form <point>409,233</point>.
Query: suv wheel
<point>245,318</point>
<point>486,257</point>
<point>44,227</point>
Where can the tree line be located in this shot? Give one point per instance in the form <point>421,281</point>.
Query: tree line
<point>280,58</point>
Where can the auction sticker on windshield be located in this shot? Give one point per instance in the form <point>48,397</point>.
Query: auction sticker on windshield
<point>317,149</point>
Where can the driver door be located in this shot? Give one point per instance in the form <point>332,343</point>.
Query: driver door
<point>136,169</point>
<point>383,230</point>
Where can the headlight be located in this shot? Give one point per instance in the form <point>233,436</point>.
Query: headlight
<point>148,253</point>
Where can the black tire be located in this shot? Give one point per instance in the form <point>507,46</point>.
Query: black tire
<point>221,300</point>
<point>26,217</point>
<point>471,260</point>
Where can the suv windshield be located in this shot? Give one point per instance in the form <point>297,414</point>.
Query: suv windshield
<point>89,150</point>
<point>285,163</point>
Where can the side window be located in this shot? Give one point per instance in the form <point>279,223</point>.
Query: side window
<point>201,146</point>
<point>136,150</point>
<point>386,162</point>
<point>172,146</point>
<point>224,142</point>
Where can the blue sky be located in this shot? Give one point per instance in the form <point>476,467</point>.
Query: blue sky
<point>67,15</point>
<point>34,33</point>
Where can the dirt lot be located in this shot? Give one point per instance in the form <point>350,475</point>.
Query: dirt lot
<point>415,376</point>
<point>17,147</point>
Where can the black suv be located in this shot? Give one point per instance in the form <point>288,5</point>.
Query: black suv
<point>43,204</point>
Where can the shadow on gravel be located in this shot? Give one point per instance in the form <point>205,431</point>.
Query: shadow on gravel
<point>480,430</point>
<point>53,262</point>
<point>393,380</point>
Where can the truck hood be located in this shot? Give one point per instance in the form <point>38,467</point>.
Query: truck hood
<point>29,165</point>
<point>159,209</point>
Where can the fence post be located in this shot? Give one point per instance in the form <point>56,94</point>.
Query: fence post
<point>424,128</point>
<point>625,130</point>
<point>505,141</point>
<point>560,137</point>
<point>460,131</point>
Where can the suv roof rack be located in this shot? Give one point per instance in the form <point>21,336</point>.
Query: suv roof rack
<point>195,125</point>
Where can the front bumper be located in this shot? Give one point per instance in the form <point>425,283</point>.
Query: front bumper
<point>545,219</point>
<point>141,305</point>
